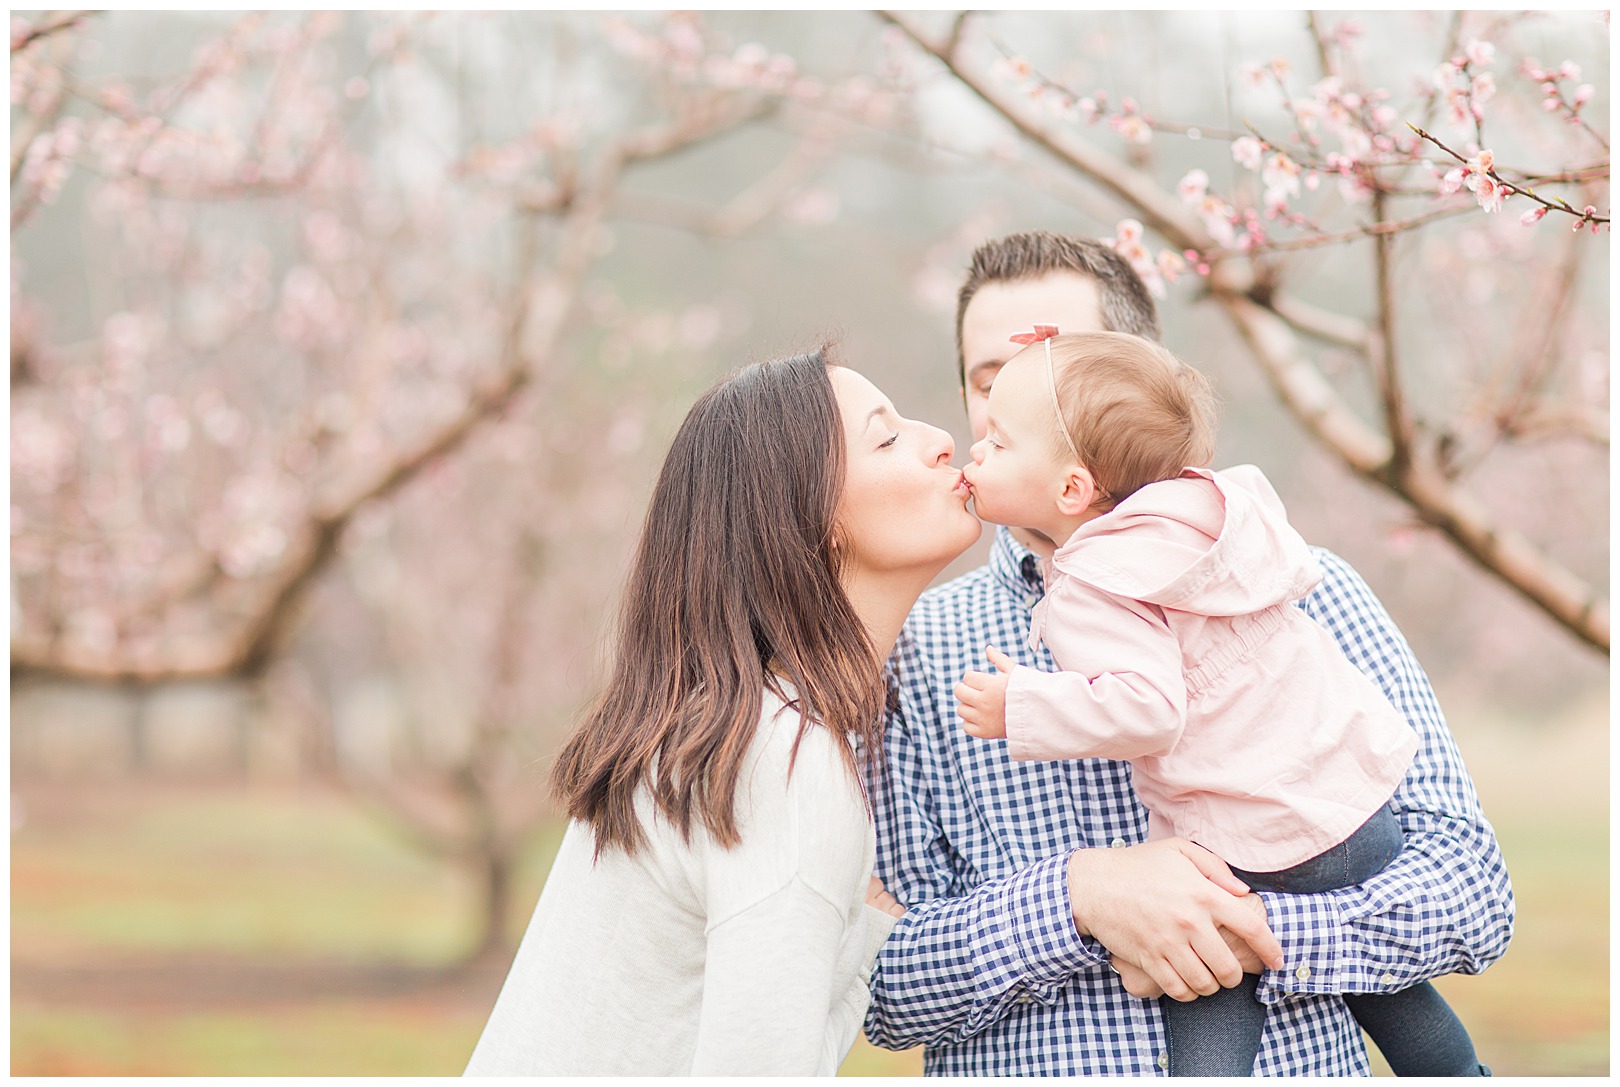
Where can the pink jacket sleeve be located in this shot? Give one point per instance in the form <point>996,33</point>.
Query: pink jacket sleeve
<point>1120,694</point>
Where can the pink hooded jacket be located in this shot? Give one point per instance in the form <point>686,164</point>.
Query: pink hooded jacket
<point>1246,728</point>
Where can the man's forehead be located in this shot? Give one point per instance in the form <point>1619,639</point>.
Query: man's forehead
<point>998,310</point>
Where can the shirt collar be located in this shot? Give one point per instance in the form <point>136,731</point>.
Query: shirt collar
<point>1014,565</point>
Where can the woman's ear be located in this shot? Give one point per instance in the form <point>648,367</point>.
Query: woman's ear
<point>1079,492</point>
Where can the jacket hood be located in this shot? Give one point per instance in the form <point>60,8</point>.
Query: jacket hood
<point>1225,549</point>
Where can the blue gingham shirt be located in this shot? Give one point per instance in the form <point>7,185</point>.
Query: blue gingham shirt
<point>986,969</point>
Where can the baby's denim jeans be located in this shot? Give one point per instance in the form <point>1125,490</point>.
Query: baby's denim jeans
<point>1414,1028</point>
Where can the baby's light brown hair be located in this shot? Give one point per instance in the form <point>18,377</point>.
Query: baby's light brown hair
<point>1137,413</point>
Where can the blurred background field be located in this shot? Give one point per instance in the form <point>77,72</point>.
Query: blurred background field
<point>235,929</point>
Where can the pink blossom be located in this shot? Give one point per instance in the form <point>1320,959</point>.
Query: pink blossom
<point>1570,70</point>
<point>1583,94</point>
<point>1353,190</point>
<point>1171,265</point>
<point>1533,216</point>
<point>1217,216</point>
<point>1452,181</point>
<point>1490,192</point>
<point>1480,53</point>
<point>1281,173</point>
<point>1128,232</point>
<point>1132,128</point>
<point>1247,152</point>
<point>1193,187</point>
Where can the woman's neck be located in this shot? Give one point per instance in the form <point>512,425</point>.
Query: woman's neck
<point>883,601</point>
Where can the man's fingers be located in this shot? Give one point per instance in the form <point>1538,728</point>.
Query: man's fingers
<point>1168,979</point>
<point>1214,869</point>
<point>1185,961</point>
<point>1247,922</point>
<point>1218,959</point>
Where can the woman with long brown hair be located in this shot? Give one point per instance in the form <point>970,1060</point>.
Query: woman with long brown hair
<point>708,910</point>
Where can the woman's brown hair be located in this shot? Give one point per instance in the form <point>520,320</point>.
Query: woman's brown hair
<point>734,588</point>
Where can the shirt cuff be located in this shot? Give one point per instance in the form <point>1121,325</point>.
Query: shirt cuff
<point>1307,926</point>
<point>1036,904</point>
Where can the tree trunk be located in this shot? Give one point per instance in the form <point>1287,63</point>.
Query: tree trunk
<point>495,900</point>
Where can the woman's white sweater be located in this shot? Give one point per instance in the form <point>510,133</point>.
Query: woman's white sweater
<point>690,959</point>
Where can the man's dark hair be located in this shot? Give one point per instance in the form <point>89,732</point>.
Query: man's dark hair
<point>1126,304</point>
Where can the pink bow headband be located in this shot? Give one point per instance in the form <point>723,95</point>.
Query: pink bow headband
<point>1044,334</point>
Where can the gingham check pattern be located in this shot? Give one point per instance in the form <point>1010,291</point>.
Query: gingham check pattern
<point>986,970</point>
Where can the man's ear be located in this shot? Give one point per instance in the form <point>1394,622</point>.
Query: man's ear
<point>1078,493</point>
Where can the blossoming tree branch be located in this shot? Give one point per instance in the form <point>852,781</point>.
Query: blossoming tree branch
<point>1355,165</point>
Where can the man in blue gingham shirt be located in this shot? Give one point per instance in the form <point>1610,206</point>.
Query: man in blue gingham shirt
<point>988,969</point>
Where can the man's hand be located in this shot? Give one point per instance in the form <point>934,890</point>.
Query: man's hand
<point>983,698</point>
<point>1138,984</point>
<point>1161,906</point>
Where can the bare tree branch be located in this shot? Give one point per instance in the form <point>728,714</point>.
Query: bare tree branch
<point>45,29</point>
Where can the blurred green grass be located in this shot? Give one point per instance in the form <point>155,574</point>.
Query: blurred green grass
<point>144,889</point>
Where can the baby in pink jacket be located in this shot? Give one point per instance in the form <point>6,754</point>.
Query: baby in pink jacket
<point>1170,608</point>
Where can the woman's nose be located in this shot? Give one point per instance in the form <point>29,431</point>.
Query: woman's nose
<point>941,444</point>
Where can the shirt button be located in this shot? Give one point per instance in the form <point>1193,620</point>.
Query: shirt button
<point>1302,973</point>
<point>1117,843</point>
<point>1164,1061</point>
<point>1387,979</point>
<point>1031,600</point>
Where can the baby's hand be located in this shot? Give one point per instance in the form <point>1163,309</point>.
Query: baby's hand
<point>881,899</point>
<point>983,698</point>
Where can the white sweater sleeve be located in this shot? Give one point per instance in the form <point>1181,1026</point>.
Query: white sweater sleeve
<point>767,980</point>
<point>786,918</point>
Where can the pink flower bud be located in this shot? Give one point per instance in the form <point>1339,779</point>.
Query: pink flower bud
<point>1583,94</point>
<point>1533,216</point>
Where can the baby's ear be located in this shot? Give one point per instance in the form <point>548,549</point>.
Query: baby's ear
<point>1079,492</point>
